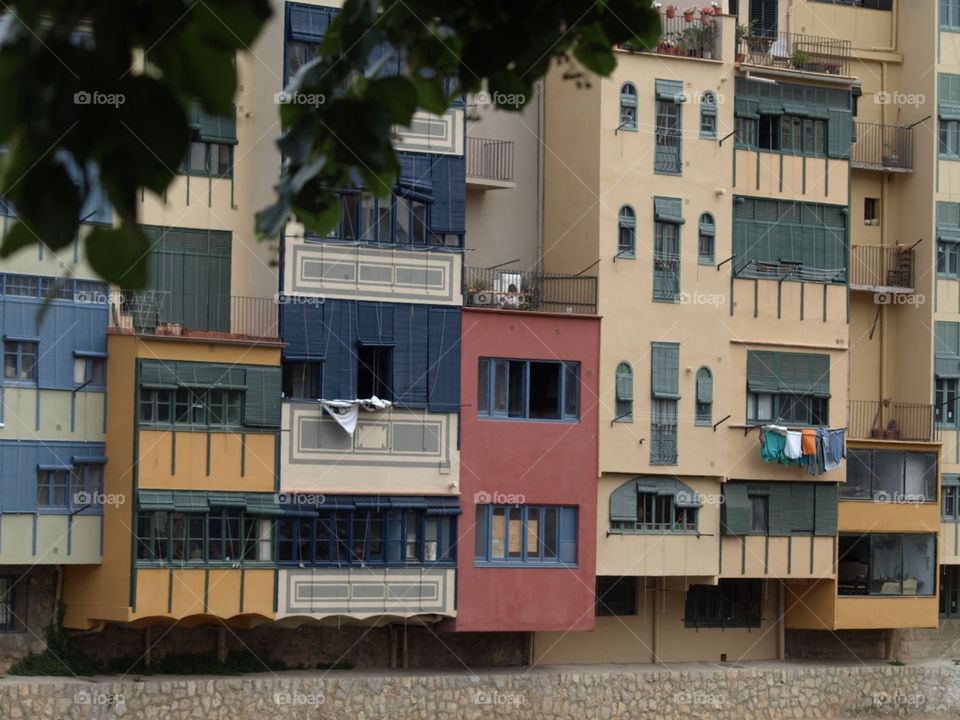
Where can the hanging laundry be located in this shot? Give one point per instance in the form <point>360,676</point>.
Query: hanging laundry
<point>835,449</point>
<point>346,412</point>
<point>793,446</point>
<point>771,445</point>
<point>808,443</point>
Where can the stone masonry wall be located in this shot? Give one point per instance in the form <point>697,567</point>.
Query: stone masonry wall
<point>764,691</point>
<point>33,608</point>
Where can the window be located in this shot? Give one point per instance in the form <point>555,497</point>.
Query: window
<point>704,401</point>
<point>950,590</point>
<point>945,411</point>
<point>668,135</point>
<point>791,388</point>
<point>798,135</point>
<point>209,159</point>
<point>528,389</point>
<point>376,536</point>
<point>746,131</point>
<point>890,476</point>
<point>950,14</point>
<point>865,4</point>
<point>654,505</point>
<point>624,393</point>
<point>708,115</point>
<point>948,259</point>
<point>877,564</point>
<point>705,240</point>
<point>86,485</point>
<point>950,494</point>
<point>218,535</point>
<point>759,514</point>
<point>665,394</point>
<point>769,132</point>
<point>666,261</point>
<point>627,232</point>
<point>303,380</point>
<point>19,361</point>
<point>200,407</point>
<point>373,372</point>
<point>628,107</point>
<point>728,604</point>
<point>411,222</point>
<point>871,211</point>
<point>89,371</point>
<point>949,139</point>
<point>53,487</point>
<point>10,588</point>
<point>526,534</point>
<point>616,596</point>
<point>21,286</point>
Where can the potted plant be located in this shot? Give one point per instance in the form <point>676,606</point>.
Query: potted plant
<point>688,14</point>
<point>800,60</point>
<point>671,11</point>
<point>743,38</point>
<point>707,15</point>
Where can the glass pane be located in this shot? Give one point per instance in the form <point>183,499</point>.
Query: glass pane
<point>517,393</point>
<point>920,478</point>
<point>483,387</point>
<point>515,533</point>
<point>534,539</point>
<point>418,230</point>
<point>480,534</point>
<point>545,390</point>
<point>918,565</point>
<point>885,566</point>
<point>888,475</point>
<point>500,384</point>
<point>403,220</point>
<point>498,534</point>
<point>571,390</point>
<point>368,217</point>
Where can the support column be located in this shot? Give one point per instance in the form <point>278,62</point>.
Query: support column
<point>147,645</point>
<point>781,621</point>
<point>221,644</point>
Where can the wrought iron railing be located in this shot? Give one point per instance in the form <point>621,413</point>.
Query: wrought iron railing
<point>888,420</point>
<point>666,276</point>
<point>158,312</point>
<point>795,51</point>
<point>541,292</point>
<point>788,270</point>
<point>882,147</point>
<point>490,159</point>
<point>695,35</point>
<point>663,444</point>
<point>874,267</point>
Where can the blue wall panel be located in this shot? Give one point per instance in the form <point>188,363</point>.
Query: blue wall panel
<point>19,462</point>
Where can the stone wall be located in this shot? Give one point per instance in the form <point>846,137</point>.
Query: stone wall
<point>603,693</point>
<point>34,591</point>
<point>942,643</point>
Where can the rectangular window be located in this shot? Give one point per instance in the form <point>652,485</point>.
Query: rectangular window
<point>950,591</point>
<point>526,534</point>
<point>373,372</point>
<point>728,604</point>
<point>950,14</point>
<point>871,211</point>
<point>890,476</point>
<point>945,410</point>
<point>528,389</point>
<point>209,159</point>
<point>881,564</point>
<point>746,131</point>
<point>948,259</point>
<point>663,430</point>
<point>20,361</point>
<point>949,139</point>
<point>790,388</point>
<point>195,407</point>
<point>53,489</point>
<point>668,138</point>
<point>89,371</point>
<point>948,503</point>
<point>10,588</point>
<point>666,261</point>
<point>760,514</point>
<point>152,532</point>
<point>302,380</point>
<point>616,596</point>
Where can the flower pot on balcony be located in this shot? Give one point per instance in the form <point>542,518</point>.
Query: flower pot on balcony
<point>671,13</point>
<point>877,433</point>
<point>688,17</point>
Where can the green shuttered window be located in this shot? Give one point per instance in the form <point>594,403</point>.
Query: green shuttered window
<point>793,508</point>
<point>791,388</point>
<point>665,370</point>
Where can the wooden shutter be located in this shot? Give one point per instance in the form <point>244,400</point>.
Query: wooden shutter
<point>825,509</point>
<point>665,370</point>
<point>262,400</point>
<point>443,380</point>
<point>735,516</point>
<point>623,503</point>
<point>410,355</point>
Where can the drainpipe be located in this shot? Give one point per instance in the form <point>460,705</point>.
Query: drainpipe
<point>541,128</point>
<point>894,30</point>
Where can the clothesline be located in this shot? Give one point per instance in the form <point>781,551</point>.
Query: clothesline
<point>819,449</point>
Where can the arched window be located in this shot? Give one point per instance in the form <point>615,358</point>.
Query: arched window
<point>628,106</point>
<point>704,409</point>
<point>708,115</point>
<point>627,232</point>
<point>706,251</point>
<point>624,406</point>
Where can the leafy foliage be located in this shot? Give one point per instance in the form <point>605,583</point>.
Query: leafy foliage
<point>107,84</point>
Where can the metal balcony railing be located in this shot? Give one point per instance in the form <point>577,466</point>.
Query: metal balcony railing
<point>490,159</point>
<point>693,35</point>
<point>163,313</point>
<point>663,444</point>
<point>873,267</point>
<point>794,51</point>
<point>882,147</point>
<point>888,420</point>
<point>539,292</point>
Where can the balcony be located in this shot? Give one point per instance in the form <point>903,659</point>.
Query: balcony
<point>796,52</point>
<point>489,164</point>
<point>887,148</point>
<point>166,314</point>
<point>888,420</point>
<point>882,269</point>
<point>689,35</point>
<point>532,291</point>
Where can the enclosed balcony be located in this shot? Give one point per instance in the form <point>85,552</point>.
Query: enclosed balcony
<point>886,148</point>
<point>532,291</point>
<point>795,52</point>
<point>489,164</point>
<point>889,420</point>
<point>882,269</point>
<point>162,313</point>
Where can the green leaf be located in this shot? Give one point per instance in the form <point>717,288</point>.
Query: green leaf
<point>318,211</point>
<point>594,50</point>
<point>398,94</point>
<point>120,256</point>
<point>231,22</point>
<point>430,95</point>
<point>271,220</point>
<point>48,203</point>
<point>17,238</point>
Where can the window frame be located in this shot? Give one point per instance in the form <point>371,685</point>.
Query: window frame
<point>522,514</point>
<point>717,606</point>
<point>873,539</point>
<point>9,586</point>
<point>627,226</point>
<point>191,402</point>
<point>19,351</point>
<point>703,411</point>
<point>706,237</point>
<point>208,170</point>
<point>311,374</point>
<point>624,592</point>
<point>487,408</point>
<point>779,401</point>
<point>668,133</point>
<point>708,115</point>
<point>623,401</point>
<point>627,91</point>
<point>948,259</point>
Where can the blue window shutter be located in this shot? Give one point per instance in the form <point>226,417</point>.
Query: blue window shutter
<point>375,323</point>
<point>444,360</point>
<point>448,212</point>
<point>623,503</point>
<point>568,535</point>
<point>665,370</point>
<point>668,89</point>
<point>304,331</point>
<point>340,360</point>
<point>410,356</point>
<point>308,24</point>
